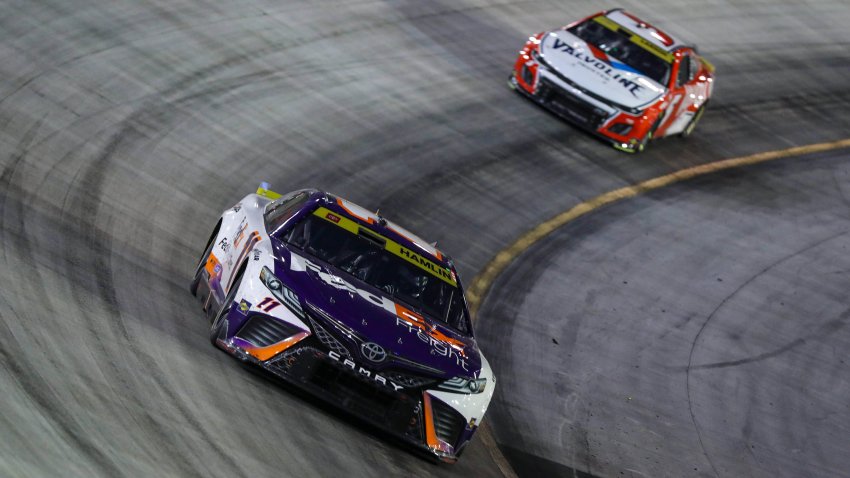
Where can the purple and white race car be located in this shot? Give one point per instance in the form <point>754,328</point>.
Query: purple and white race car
<point>352,308</point>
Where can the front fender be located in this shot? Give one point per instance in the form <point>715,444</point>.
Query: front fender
<point>254,297</point>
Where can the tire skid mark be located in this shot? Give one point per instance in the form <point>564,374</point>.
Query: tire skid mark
<point>32,383</point>
<point>90,197</point>
<point>197,28</point>
<point>714,313</point>
<point>825,329</point>
<point>480,287</point>
<point>41,394</point>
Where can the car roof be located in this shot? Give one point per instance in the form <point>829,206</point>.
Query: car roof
<point>373,218</point>
<point>369,219</point>
<point>381,225</point>
<point>648,32</point>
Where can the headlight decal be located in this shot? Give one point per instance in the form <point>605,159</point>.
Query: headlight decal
<point>281,292</point>
<point>463,385</point>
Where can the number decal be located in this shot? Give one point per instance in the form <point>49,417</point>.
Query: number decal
<point>268,304</point>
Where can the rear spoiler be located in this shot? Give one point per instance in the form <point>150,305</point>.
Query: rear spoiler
<point>265,192</point>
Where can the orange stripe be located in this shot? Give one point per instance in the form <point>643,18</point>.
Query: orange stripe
<point>212,261</point>
<point>265,353</point>
<point>430,434</point>
<point>418,321</point>
<point>367,220</point>
<point>255,238</point>
<point>438,254</point>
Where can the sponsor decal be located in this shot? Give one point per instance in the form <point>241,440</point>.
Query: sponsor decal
<point>440,343</point>
<point>213,268</point>
<point>347,362</point>
<point>332,217</point>
<point>237,207</point>
<point>224,245</point>
<point>256,254</point>
<point>244,306</point>
<point>599,66</point>
<point>441,272</point>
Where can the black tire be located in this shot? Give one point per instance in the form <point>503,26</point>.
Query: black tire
<point>689,129</point>
<point>199,269</point>
<point>642,145</point>
<point>649,135</point>
<point>218,320</point>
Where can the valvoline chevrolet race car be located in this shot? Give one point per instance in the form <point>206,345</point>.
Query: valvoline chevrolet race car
<point>617,76</point>
<point>350,307</point>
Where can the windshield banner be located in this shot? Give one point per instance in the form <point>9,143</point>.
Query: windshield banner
<point>416,258</point>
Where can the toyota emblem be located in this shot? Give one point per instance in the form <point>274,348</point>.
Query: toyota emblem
<point>373,352</point>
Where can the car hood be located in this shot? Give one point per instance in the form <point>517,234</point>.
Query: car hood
<point>594,71</point>
<point>356,316</point>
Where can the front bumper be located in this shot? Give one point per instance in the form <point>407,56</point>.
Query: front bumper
<point>408,413</point>
<point>577,112</point>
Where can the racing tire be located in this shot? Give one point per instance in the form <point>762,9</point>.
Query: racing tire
<point>218,320</point>
<point>642,145</point>
<point>649,135</point>
<point>689,129</point>
<point>199,269</point>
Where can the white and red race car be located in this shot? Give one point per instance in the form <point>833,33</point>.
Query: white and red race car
<point>618,77</point>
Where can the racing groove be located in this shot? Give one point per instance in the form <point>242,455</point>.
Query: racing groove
<point>126,127</point>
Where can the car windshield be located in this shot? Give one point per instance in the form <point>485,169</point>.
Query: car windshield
<point>363,255</point>
<point>619,45</point>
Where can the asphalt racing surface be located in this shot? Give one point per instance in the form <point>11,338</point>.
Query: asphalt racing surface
<point>127,127</point>
<point>698,330</point>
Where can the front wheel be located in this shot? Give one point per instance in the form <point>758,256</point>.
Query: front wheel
<point>693,123</point>
<point>642,145</point>
<point>218,322</point>
<point>199,270</point>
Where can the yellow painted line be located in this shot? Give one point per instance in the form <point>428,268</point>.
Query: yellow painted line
<point>482,282</point>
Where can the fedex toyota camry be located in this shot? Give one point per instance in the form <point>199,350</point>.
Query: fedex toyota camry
<point>351,307</point>
<point>617,76</point>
